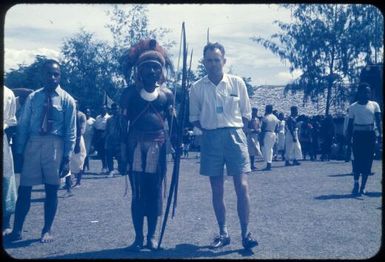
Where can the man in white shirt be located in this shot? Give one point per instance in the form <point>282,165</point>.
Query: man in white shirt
<point>363,115</point>
<point>100,136</point>
<point>220,106</point>
<point>9,181</point>
<point>269,125</point>
<point>293,150</point>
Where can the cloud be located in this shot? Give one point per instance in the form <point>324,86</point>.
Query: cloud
<point>43,27</point>
<point>14,57</point>
<point>287,76</point>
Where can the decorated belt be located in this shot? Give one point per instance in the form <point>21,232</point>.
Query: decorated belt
<point>159,136</point>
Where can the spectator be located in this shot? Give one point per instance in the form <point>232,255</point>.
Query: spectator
<point>9,181</point>
<point>100,136</point>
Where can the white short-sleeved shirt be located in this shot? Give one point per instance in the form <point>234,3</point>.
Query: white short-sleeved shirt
<point>9,113</point>
<point>364,114</point>
<point>271,122</point>
<point>101,122</point>
<point>222,105</point>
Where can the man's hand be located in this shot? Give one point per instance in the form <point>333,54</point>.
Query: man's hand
<point>64,167</point>
<point>77,147</point>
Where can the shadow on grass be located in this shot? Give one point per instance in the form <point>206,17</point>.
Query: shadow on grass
<point>339,175</point>
<point>332,197</point>
<point>19,244</point>
<point>180,251</point>
<point>36,200</point>
<point>348,196</point>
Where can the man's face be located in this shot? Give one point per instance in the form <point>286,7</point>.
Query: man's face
<point>294,112</point>
<point>51,76</point>
<point>214,62</point>
<point>364,94</point>
<point>150,73</point>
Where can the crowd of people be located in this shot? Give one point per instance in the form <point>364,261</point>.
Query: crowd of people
<point>54,141</point>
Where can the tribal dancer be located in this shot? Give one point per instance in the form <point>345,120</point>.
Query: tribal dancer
<point>146,106</point>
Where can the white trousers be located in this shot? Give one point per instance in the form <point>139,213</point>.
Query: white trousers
<point>268,144</point>
<point>293,149</point>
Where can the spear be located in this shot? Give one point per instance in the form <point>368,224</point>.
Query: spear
<point>178,143</point>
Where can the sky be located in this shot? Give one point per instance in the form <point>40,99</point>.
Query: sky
<point>41,29</point>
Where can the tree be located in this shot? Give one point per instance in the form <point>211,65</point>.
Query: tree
<point>87,70</point>
<point>26,76</point>
<point>201,70</point>
<point>326,42</point>
<point>249,86</point>
<point>127,28</point>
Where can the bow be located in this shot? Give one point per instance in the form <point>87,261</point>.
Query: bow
<point>173,191</point>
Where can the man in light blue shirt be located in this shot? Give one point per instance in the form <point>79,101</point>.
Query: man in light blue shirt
<point>46,139</point>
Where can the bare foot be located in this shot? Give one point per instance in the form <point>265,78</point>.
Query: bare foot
<point>7,231</point>
<point>46,238</point>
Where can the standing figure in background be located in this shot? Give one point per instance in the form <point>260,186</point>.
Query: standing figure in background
<point>80,152</point>
<point>363,116</point>
<point>100,136</point>
<point>305,137</point>
<point>253,132</point>
<point>112,141</point>
<point>9,181</point>
<point>187,138</point>
<point>281,135</point>
<point>269,127</point>
<point>327,133</point>
<point>293,147</point>
<point>314,137</point>
<point>88,135</point>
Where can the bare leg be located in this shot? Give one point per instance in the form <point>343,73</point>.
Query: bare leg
<point>241,189</point>
<point>50,207</point>
<point>217,188</point>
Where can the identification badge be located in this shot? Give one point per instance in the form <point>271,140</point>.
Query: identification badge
<point>219,109</point>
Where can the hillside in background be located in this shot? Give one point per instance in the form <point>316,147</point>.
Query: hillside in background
<point>267,94</point>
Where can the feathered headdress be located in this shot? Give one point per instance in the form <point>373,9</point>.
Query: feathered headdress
<point>144,51</point>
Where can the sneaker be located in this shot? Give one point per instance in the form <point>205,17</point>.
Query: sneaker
<point>248,242</point>
<point>111,174</point>
<point>220,241</point>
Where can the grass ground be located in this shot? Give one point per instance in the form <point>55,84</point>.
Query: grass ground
<point>301,212</point>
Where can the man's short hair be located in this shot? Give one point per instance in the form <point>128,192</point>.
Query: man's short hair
<point>212,46</point>
<point>362,86</point>
<point>269,108</point>
<point>49,62</point>
<point>292,108</point>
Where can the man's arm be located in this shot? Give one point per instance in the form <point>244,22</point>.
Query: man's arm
<point>23,126</point>
<point>349,131</point>
<point>377,116</point>
<point>69,135</point>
